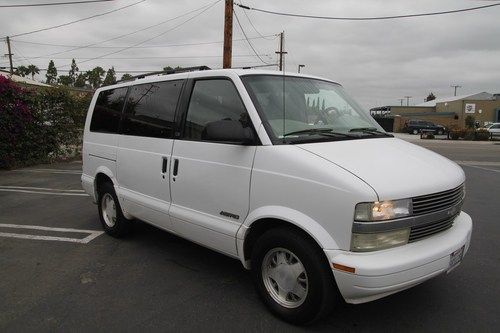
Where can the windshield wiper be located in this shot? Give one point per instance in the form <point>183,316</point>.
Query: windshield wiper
<point>370,130</point>
<point>320,131</point>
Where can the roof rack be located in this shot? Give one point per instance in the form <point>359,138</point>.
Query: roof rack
<point>167,72</point>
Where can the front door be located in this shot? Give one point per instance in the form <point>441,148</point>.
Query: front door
<point>211,181</point>
<point>145,147</point>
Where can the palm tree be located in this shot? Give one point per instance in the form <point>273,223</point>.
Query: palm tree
<point>21,71</point>
<point>32,69</point>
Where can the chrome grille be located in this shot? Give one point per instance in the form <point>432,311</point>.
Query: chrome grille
<point>437,201</point>
<point>425,230</point>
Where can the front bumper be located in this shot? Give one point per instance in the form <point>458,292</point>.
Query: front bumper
<point>381,273</point>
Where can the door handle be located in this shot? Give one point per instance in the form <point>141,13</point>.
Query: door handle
<point>164,164</point>
<point>176,167</point>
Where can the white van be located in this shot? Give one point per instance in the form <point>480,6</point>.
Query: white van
<point>284,172</point>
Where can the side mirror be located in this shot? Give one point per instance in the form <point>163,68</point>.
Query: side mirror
<point>229,131</point>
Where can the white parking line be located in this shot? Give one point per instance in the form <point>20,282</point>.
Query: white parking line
<point>70,172</point>
<point>92,233</point>
<point>478,167</point>
<point>39,188</point>
<point>43,192</point>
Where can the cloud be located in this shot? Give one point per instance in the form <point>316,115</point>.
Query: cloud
<point>378,62</point>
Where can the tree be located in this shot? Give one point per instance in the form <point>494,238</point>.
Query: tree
<point>21,71</point>
<point>110,77</point>
<point>470,121</point>
<point>430,97</point>
<point>32,70</point>
<point>95,76</point>
<point>51,73</point>
<point>126,76</point>
<point>81,80</point>
<point>65,80</point>
<point>168,68</point>
<point>73,72</point>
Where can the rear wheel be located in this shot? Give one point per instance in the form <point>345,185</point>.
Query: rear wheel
<point>415,131</point>
<point>110,213</point>
<point>292,276</point>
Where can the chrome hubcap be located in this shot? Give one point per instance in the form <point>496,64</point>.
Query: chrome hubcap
<point>285,277</point>
<point>108,209</point>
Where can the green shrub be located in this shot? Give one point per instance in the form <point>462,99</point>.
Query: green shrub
<point>38,125</point>
<point>470,122</point>
<point>470,134</point>
<point>482,135</point>
<point>455,134</point>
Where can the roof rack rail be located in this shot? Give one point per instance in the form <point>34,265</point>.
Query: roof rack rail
<point>167,72</point>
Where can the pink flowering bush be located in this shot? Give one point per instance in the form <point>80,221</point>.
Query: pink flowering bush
<point>37,125</point>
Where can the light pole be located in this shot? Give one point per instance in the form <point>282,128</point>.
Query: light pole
<point>301,66</point>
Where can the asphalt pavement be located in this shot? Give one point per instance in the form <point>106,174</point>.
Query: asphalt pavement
<point>58,272</point>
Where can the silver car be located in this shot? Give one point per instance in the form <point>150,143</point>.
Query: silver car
<point>494,129</point>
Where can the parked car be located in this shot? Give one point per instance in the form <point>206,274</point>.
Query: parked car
<point>284,172</point>
<point>494,129</point>
<point>416,126</point>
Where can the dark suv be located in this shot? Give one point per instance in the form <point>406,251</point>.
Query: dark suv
<point>416,126</point>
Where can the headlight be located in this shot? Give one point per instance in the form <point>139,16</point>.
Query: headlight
<point>384,210</point>
<point>379,241</point>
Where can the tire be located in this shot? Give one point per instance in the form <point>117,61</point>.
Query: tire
<point>110,212</point>
<point>440,132</point>
<point>316,284</point>
<point>415,131</point>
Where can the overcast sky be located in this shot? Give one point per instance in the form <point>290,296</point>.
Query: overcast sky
<point>377,61</point>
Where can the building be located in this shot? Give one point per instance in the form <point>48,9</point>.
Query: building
<point>449,111</point>
<point>20,79</point>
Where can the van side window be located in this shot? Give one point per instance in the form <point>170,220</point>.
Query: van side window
<point>212,100</point>
<point>150,109</point>
<point>107,111</point>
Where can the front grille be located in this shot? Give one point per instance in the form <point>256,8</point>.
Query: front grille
<point>425,230</point>
<point>437,201</point>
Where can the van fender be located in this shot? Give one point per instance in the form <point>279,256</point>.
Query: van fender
<point>300,220</point>
<point>106,171</point>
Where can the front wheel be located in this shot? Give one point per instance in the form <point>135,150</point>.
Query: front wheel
<point>440,132</point>
<point>415,131</point>
<point>292,276</point>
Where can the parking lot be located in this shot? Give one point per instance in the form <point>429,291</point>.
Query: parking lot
<point>58,272</point>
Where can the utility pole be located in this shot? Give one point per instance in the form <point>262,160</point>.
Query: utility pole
<point>281,52</point>
<point>10,54</point>
<point>300,66</point>
<point>401,100</point>
<point>407,100</point>
<point>228,34</point>
<point>453,86</point>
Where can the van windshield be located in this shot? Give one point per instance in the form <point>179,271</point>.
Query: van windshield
<point>296,109</point>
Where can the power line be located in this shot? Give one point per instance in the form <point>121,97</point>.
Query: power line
<point>249,64</point>
<point>91,46</point>
<point>131,33</point>
<point>53,3</point>
<point>151,38</point>
<point>158,57</point>
<point>367,18</point>
<point>79,20</point>
<point>254,28</point>
<point>248,41</point>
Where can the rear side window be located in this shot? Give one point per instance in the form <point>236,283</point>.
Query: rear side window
<point>150,109</point>
<point>212,100</point>
<point>107,111</point>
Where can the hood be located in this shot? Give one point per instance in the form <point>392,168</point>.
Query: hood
<point>394,168</point>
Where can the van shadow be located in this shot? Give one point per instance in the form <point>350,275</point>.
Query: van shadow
<point>413,309</point>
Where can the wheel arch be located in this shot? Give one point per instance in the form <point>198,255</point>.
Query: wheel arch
<point>266,218</point>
